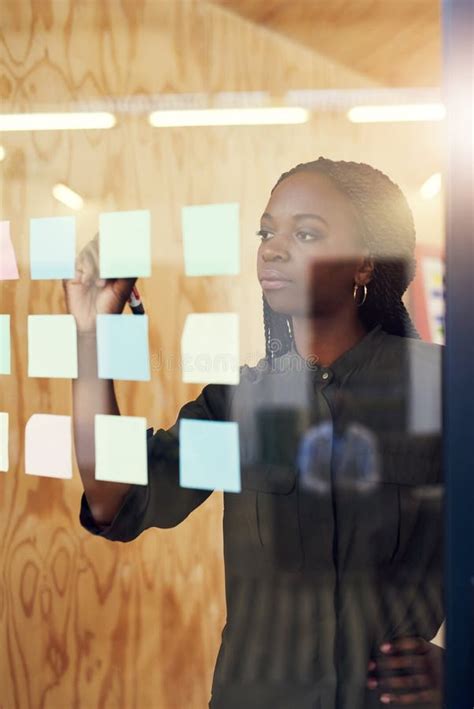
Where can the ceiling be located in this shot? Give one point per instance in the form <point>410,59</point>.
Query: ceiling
<point>392,42</point>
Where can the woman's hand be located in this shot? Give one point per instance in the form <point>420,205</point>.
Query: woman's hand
<point>420,660</point>
<point>87,294</point>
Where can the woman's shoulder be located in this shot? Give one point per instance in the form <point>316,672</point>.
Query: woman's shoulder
<point>419,352</point>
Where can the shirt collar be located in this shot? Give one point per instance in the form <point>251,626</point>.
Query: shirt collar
<point>355,356</point>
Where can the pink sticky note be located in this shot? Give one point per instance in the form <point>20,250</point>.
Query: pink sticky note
<point>48,446</point>
<point>8,265</point>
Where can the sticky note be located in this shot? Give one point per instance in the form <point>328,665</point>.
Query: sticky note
<point>3,442</point>
<point>122,347</point>
<point>52,346</point>
<point>121,449</point>
<point>52,247</point>
<point>8,264</point>
<point>211,239</point>
<point>5,354</point>
<point>210,348</point>
<point>124,244</point>
<point>209,455</point>
<point>48,446</point>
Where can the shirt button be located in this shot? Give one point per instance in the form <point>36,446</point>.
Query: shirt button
<point>324,375</point>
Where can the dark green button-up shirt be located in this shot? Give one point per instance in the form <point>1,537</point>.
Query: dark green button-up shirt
<point>334,544</point>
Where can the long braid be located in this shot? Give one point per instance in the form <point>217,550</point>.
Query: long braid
<point>387,229</point>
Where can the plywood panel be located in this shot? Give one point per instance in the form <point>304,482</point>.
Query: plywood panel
<point>392,42</point>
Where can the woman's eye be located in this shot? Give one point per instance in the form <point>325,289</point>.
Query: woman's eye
<point>302,234</point>
<point>262,234</point>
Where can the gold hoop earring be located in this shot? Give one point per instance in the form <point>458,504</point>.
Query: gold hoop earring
<point>356,287</point>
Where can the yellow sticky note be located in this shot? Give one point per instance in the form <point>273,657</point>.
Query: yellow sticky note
<point>121,449</point>
<point>48,446</point>
<point>4,464</point>
<point>210,348</point>
<point>52,346</point>
<point>5,354</point>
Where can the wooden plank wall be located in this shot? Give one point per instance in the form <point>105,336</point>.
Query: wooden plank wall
<point>84,622</point>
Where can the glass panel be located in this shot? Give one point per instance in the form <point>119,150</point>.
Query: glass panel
<point>284,548</point>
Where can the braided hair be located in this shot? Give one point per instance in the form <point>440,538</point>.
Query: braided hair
<point>387,229</point>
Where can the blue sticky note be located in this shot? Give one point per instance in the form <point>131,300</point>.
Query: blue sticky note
<point>124,244</point>
<point>209,455</point>
<point>122,347</point>
<point>5,354</point>
<point>211,239</point>
<point>52,247</point>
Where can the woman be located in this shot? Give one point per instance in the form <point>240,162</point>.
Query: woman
<point>333,567</point>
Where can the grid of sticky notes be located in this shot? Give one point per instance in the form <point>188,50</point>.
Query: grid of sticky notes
<point>209,450</point>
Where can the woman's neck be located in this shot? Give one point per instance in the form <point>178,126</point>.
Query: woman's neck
<point>327,338</point>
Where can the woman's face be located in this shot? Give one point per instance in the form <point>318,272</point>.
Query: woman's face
<point>310,251</point>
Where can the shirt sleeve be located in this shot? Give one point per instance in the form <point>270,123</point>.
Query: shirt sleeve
<point>161,503</point>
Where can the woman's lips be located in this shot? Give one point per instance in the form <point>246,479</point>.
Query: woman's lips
<point>273,284</point>
<point>271,279</point>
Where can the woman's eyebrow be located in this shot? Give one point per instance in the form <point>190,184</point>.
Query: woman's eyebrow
<point>310,216</point>
<point>297,217</point>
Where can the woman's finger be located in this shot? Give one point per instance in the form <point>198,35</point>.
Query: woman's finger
<point>424,697</point>
<point>400,662</point>
<point>407,644</point>
<point>86,266</point>
<point>406,682</point>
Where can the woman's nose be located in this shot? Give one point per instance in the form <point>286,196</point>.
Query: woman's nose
<point>271,253</point>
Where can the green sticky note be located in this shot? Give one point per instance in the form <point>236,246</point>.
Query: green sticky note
<point>211,239</point>
<point>209,457</point>
<point>124,244</point>
<point>52,346</point>
<point>5,354</point>
<point>3,441</point>
<point>121,449</point>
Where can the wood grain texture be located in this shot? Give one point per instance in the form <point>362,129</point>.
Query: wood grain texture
<point>85,622</point>
<point>394,42</point>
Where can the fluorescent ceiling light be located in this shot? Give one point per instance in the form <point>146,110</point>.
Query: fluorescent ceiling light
<point>56,121</point>
<point>229,117</point>
<point>67,196</point>
<point>2,153</point>
<point>397,113</point>
<point>431,187</point>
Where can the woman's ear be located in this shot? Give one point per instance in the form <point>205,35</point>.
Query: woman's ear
<point>365,271</point>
